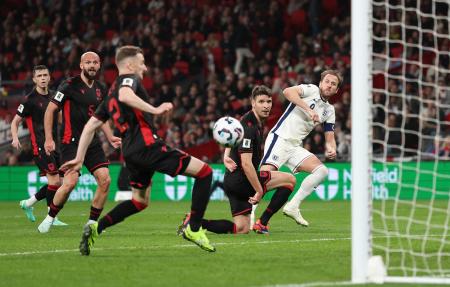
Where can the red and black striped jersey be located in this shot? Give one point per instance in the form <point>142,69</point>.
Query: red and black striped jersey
<point>78,103</point>
<point>252,141</point>
<point>33,110</point>
<point>135,126</point>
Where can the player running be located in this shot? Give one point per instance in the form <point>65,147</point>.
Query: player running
<point>32,110</point>
<point>309,107</point>
<point>143,150</point>
<point>243,183</point>
<point>78,97</point>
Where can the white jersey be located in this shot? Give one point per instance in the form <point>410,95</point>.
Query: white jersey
<point>295,124</point>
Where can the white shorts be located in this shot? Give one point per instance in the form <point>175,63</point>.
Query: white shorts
<point>278,152</point>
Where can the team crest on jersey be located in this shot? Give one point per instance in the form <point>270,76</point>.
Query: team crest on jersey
<point>20,108</point>
<point>275,157</point>
<point>246,143</point>
<point>59,96</point>
<point>127,82</point>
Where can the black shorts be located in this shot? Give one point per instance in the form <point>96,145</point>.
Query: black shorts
<point>238,189</point>
<point>95,156</point>
<point>47,164</point>
<point>157,157</point>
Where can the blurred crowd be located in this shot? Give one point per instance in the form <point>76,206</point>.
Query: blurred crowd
<point>411,98</point>
<point>205,57</point>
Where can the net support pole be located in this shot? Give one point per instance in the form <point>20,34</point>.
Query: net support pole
<point>361,48</point>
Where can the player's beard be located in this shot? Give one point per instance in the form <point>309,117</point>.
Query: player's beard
<point>88,76</point>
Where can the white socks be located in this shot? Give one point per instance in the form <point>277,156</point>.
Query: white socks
<point>30,201</point>
<point>310,182</point>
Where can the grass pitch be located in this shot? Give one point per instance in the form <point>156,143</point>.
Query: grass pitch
<point>145,250</point>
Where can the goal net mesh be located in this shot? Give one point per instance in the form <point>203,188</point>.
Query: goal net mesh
<point>411,136</point>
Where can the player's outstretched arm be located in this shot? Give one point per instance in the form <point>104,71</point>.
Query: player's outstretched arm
<point>250,173</point>
<point>228,161</point>
<point>330,145</point>
<point>293,95</point>
<point>116,142</point>
<point>85,140</point>
<point>49,144</point>
<point>14,131</point>
<point>128,97</point>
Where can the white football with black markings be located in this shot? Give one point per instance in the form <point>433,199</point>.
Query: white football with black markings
<point>228,132</point>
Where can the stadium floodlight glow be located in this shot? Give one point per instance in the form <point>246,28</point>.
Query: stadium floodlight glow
<point>399,91</point>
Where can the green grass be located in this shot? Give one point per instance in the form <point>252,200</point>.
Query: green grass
<point>145,251</point>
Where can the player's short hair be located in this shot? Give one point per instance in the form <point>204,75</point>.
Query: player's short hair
<point>259,90</point>
<point>39,68</point>
<point>334,73</point>
<point>126,52</point>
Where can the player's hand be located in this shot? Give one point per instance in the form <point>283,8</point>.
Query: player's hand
<point>16,144</point>
<point>314,116</point>
<point>330,154</point>
<point>116,142</point>
<point>229,163</point>
<point>163,108</point>
<point>72,166</point>
<point>255,199</point>
<point>49,146</point>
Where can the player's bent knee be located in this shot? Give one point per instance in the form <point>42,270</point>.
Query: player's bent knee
<point>292,181</point>
<point>321,171</point>
<point>242,229</point>
<point>104,182</point>
<point>69,184</point>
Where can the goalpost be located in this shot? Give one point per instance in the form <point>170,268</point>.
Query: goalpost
<point>400,125</point>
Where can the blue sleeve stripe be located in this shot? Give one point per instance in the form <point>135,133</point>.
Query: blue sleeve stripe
<point>328,127</point>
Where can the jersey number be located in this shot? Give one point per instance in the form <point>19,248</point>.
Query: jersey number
<point>113,107</point>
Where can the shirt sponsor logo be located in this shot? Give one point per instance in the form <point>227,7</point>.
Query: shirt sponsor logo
<point>127,82</point>
<point>59,96</point>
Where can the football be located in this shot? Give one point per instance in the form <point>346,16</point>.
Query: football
<point>228,132</point>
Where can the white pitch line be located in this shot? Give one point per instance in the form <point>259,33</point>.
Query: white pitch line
<point>26,253</point>
<point>314,284</point>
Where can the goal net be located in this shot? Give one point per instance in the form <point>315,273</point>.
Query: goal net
<point>409,141</point>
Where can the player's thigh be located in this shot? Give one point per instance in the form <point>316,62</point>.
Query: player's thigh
<point>47,164</point>
<point>194,166</point>
<point>276,151</point>
<point>141,194</point>
<point>279,178</point>
<point>238,191</point>
<point>140,174</point>
<point>95,158</point>
<point>309,164</point>
<point>298,157</point>
<point>53,179</point>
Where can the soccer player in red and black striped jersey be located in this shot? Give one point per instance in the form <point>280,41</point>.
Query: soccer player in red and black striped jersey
<point>243,183</point>
<point>144,152</point>
<point>32,110</point>
<point>78,97</point>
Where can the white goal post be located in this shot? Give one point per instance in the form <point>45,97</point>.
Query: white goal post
<point>400,87</point>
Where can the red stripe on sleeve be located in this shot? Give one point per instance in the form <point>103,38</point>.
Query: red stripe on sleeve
<point>32,136</point>
<point>67,124</point>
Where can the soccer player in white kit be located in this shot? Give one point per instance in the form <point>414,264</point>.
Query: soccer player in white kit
<point>308,107</point>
